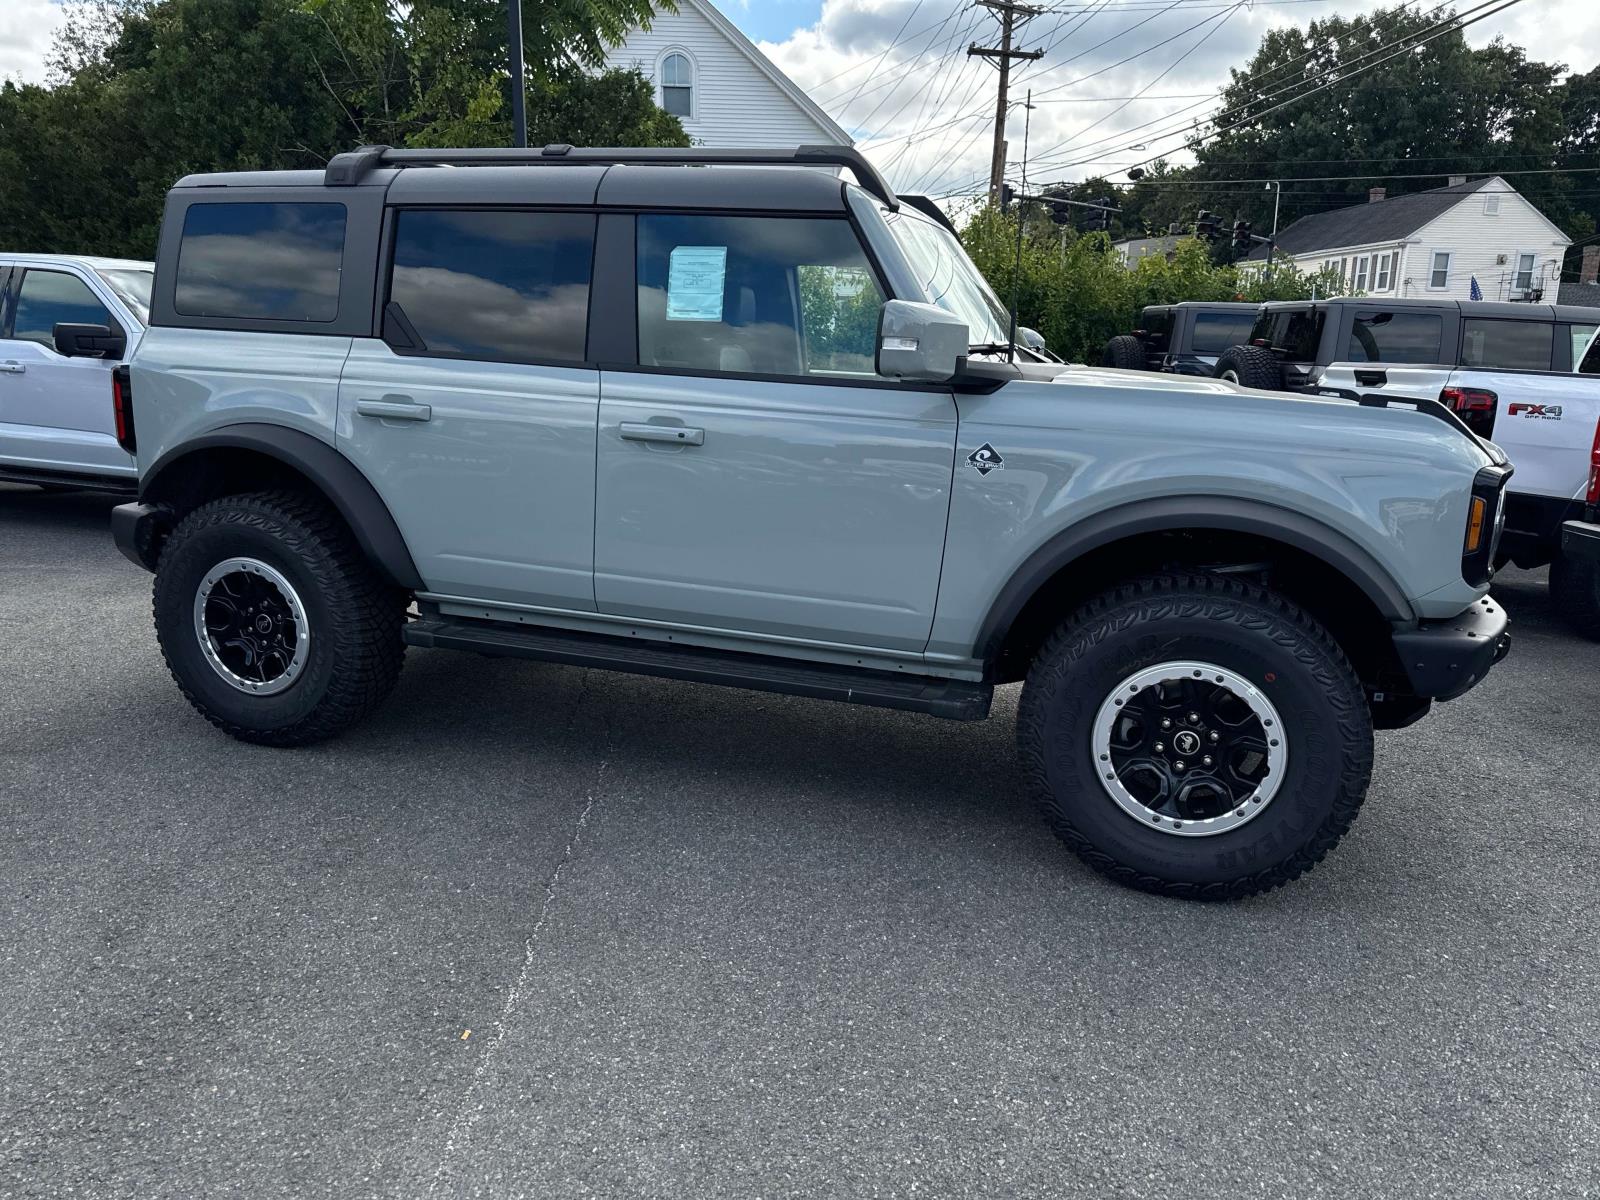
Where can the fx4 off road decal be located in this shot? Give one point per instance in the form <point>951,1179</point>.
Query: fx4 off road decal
<point>985,459</point>
<point>1544,412</point>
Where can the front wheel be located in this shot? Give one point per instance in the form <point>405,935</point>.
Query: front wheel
<point>1575,591</point>
<point>1196,736</point>
<point>272,623</point>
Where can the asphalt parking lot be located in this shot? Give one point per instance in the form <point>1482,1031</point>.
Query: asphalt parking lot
<point>712,943</point>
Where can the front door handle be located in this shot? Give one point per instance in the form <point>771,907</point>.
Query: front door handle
<point>395,408</point>
<point>676,435</point>
<point>12,368</point>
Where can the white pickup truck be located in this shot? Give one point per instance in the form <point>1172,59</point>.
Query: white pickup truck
<point>66,323</point>
<point>1526,376</point>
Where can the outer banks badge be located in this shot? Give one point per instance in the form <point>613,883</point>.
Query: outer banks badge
<point>985,459</point>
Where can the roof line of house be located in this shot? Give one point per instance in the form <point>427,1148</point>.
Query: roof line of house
<point>765,65</point>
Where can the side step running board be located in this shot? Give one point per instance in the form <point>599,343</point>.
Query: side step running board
<point>953,699</point>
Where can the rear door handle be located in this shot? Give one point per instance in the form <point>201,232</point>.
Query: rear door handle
<point>12,368</point>
<point>395,408</point>
<point>677,435</point>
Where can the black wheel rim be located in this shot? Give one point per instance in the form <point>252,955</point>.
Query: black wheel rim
<point>251,625</point>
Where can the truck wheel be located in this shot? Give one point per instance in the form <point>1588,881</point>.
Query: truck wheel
<point>1575,590</point>
<point>1196,736</point>
<point>273,624</point>
<point>1126,353</point>
<point>1251,367</point>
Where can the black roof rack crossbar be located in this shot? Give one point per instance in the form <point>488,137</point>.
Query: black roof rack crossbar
<point>350,167</point>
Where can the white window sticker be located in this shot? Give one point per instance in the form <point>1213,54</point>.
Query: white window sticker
<point>695,281</point>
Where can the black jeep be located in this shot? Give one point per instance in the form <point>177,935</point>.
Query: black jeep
<point>1181,339</point>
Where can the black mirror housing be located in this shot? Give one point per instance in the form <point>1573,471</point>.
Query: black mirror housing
<point>88,341</point>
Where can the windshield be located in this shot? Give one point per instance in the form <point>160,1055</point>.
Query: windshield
<point>949,278</point>
<point>132,287</point>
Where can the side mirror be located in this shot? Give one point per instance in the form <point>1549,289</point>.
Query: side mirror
<point>88,341</point>
<point>920,342</point>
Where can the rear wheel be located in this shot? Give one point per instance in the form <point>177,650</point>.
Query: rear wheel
<point>1196,736</point>
<point>1251,367</point>
<point>1125,352</point>
<point>273,624</point>
<point>1575,589</point>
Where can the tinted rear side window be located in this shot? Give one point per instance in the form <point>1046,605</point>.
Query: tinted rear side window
<point>1215,332</point>
<point>1297,332</point>
<point>1157,326</point>
<point>48,297</point>
<point>1396,337</point>
<point>274,261</point>
<point>498,286</point>
<point>1509,345</point>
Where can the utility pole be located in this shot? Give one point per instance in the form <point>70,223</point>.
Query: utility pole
<point>1012,17</point>
<point>519,111</point>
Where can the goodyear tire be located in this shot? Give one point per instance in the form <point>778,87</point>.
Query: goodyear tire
<point>1575,591</point>
<point>1251,367</point>
<point>272,623</point>
<point>1196,736</point>
<point>1125,352</point>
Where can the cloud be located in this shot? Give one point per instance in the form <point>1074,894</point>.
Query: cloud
<point>27,28</point>
<point>897,76</point>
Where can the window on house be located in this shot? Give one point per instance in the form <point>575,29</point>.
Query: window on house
<point>1439,276</point>
<point>1524,277</point>
<point>677,85</point>
<point>1491,206</point>
<point>1361,274</point>
<point>1385,273</point>
<point>1392,337</point>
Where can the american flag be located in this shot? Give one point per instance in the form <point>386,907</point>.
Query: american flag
<point>1477,292</point>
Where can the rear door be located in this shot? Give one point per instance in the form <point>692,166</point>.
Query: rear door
<point>55,411</point>
<point>474,416</point>
<point>755,474</point>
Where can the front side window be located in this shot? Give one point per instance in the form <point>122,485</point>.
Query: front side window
<point>792,296</point>
<point>1216,332</point>
<point>950,280</point>
<point>1509,345</point>
<point>677,85</point>
<point>495,286</point>
<point>273,261</point>
<point>48,298</point>
<point>1396,337</point>
<point>1439,276</point>
<point>1524,277</point>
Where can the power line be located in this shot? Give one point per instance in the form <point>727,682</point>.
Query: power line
<point>1008,12</point>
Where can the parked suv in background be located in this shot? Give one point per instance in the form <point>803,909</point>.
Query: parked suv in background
<point>65,323</point>
<point>1526,375</point>
<point>1184,339</point>
<point>758,428</point>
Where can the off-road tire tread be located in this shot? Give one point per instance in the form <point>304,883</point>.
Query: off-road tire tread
<point>1256,366</point>
<point>1575,593</point>
<point>1124,352</point>
<point>369,611</point>
<point>1217,598</point>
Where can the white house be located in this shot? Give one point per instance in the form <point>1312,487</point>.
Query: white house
<point>1433,244</point>
<point>723,89</point>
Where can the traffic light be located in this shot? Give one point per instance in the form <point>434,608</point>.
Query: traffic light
<point>1207,225</point>
<point>1061,214</point>
<point>1007,194</point>
<point>1100,215</point>
<point>1242,242</point>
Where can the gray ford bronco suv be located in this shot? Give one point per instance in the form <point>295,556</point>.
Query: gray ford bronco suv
<point>724,416</point>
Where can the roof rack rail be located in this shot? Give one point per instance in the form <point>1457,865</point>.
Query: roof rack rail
<point>352,166</point>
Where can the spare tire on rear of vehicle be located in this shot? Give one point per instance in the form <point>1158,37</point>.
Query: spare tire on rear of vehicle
<point>1251,367</point>
<point>1125,352</point>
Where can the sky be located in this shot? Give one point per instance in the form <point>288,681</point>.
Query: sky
<point>895,73</point>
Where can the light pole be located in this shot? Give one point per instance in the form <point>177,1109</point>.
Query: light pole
<point>1277,199</point>
<point>519,111</point>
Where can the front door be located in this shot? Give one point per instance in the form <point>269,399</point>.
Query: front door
<point>475,416</point>
<point>754,474</point>
<point>55,411</point>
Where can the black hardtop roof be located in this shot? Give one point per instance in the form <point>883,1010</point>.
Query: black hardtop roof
<point>1506,309</point>
<point>632,177</point>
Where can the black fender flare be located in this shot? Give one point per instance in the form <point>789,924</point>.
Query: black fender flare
<point>1191,512</point>
<point>338,479</point>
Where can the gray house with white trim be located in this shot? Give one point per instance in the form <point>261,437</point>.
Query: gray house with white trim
<point>719,84</point>
<point>1433,244</point>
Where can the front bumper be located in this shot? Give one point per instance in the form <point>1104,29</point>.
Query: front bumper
<point>138,530</point>
<point>1443,659</point>
<point>1580,540</point>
